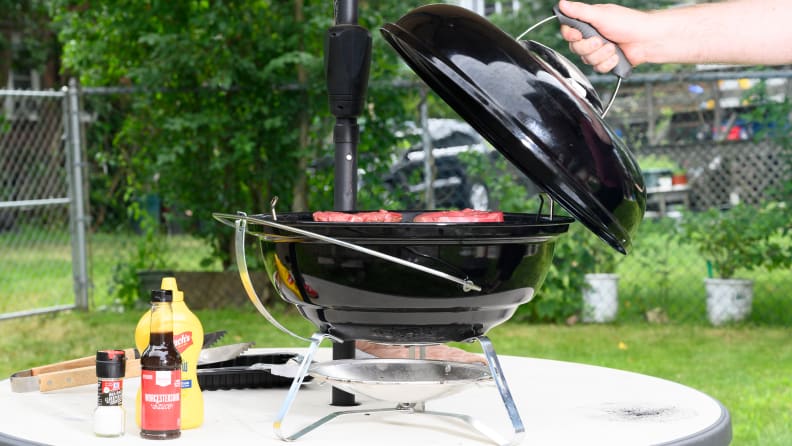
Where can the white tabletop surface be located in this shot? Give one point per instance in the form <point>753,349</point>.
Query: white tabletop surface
<point>560,403</point>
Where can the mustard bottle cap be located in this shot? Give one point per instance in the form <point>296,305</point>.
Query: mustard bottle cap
<point>169,283</point>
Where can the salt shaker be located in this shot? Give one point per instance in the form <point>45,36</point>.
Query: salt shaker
<point>109,416</point>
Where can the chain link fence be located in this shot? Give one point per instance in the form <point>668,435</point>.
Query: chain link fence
<point>42,237</point>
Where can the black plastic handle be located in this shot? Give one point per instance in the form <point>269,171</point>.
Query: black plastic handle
<point>623,69</point>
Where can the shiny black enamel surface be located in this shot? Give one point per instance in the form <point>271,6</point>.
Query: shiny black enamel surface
<point>520,103</point>
<point>353,295</point>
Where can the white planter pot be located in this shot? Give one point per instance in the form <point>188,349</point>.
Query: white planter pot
<point>728,300</point>
<point>600,298</point>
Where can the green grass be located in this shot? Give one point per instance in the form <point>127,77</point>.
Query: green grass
<point>666,274</point>
<point>36,266</point>
<point>35,269</point>
<point>746,368</point>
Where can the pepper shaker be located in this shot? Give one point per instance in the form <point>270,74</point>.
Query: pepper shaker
<point>109,416</point>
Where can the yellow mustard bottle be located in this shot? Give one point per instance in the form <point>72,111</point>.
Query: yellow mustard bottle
<point>188,337</point>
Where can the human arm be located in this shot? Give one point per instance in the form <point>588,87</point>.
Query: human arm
<point>737,31</point>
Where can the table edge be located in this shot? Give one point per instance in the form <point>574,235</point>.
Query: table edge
<point>717,434</point>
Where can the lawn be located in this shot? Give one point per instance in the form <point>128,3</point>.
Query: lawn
<point>746,368</point>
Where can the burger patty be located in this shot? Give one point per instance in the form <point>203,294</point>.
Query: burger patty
<point>383,216</point>
<point>463,216</point>
<point>380,216</point>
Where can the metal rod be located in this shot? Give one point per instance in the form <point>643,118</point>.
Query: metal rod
<point>503,388</point>
<point>32,203</point>
<point>619,79</point>
<point>467,284</point>
<point>660,78</point>
<point>77,209</point>
<point>33,93</point>
<point>407,409</point>
<point>345,136</point>
<point>426,142</point>
<point>6,316</point>
<point>277,425</point>
<point>346,12</point>
<point>613,97</point>
<point>247,283</point>
<point>536,25</point>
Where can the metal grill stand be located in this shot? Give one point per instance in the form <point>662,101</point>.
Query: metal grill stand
<point>496,373</point>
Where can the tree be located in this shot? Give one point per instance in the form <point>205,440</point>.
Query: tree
<point>35,44</point>
<point>232,108</point>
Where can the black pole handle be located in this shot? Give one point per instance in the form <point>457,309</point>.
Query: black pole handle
<point>347,63</point>
<point>623,69</point>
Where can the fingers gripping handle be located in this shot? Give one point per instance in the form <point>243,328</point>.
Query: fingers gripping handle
<point>623,69</point>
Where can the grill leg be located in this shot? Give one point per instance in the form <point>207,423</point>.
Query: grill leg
<point>503,388</point>
<point>316,339</point>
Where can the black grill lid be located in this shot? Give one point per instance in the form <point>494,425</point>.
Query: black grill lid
<point>514,95</point>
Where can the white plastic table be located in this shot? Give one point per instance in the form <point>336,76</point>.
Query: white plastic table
<point>561,403</point>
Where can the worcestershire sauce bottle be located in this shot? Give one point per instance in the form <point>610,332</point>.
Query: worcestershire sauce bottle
<point>188,337</point>
<point>160,378</point>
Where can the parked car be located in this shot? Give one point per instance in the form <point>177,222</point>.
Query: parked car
<point>454,185</point>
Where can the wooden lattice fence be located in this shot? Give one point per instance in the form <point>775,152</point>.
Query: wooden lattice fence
<point>719,173</point>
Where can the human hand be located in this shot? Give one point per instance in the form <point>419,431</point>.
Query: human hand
<point>616,23</point>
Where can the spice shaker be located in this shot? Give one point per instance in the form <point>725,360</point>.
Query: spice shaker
<point>109,416</point>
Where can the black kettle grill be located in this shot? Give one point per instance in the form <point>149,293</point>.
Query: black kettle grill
<point>420,283</point>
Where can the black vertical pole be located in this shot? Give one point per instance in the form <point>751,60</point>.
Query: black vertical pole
<point>347,61</point>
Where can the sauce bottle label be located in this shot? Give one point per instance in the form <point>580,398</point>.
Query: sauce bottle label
<point>110,392</point>
<point>183,341</point>
<point>161,400</point>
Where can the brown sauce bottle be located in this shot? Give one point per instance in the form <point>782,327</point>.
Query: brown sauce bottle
<point>160,379</point>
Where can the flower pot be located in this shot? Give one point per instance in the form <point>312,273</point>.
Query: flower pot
<point>679,179</point>
<point>728,300</point>
<point>600,298</point>
<point>657,178</point>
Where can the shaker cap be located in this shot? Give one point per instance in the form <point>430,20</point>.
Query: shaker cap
<point>110,363</point>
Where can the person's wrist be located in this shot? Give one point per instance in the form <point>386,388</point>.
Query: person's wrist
<point>655,45</point>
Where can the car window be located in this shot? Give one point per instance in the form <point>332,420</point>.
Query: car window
<point>455,139</point>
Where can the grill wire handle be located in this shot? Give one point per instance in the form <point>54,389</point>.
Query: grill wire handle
<point>467,284</point>
<point>578,25</point>
<point>247,283</point>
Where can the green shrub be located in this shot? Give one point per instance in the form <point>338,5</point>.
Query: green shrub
<point>148,255</point>
<point>743,237</point>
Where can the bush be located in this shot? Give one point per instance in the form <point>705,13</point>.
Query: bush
<point>743,237</point>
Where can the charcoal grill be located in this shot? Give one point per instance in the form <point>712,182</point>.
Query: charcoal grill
<point>423,283</point>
